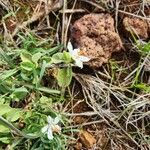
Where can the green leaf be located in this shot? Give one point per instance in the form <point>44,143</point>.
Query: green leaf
<point>67,57</point>
<point>4,88</point>
<point>6,58</point>
<point>64,76</point>
<point>25,76</point>
<point>45,100</point>
<point>43,69</point>
<point>36,57</point>
<point>7,73</point>
<point>61,58</point>
<point>143,87</point>
<point>5,140</point>
<point>52,50</point>
<point>146,47</point>
<point>28,66</point>
<point>58,58</point>
<point>13,115</point>
<point>4,108</point>
<point>36,78</point>
<point>26,56</point>
<point>4,129</point>
<point>19,93</point>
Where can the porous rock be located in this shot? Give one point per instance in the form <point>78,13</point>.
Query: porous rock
<point>95,35</point>
<point>137,26</point>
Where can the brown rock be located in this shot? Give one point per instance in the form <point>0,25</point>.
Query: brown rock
<point>137,26</point>
<point>95,35</point>
<point>87,139</point>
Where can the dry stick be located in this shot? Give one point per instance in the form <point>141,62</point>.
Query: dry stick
<point>46,10</point>
<point>115,123</point>
<point>85,124</point>
<point>38,15</point>
<point>66,32</point>
<point>116,15</point>
<point>63,22</point>
<point>141,17</point>
<point>81,114</point>
<point>57,34</point>
<point>71,11</point>
<point>94,4</point>
<point>3,4</point>
<point>104,116</point>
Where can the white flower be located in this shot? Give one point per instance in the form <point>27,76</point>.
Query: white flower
<point>51,127</point>
<point>75,54</point>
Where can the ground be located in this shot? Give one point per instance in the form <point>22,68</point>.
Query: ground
<point>102,105</point>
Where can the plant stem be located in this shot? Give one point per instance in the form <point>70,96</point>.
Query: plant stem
<point>62,93</point>
<point>9,125</point>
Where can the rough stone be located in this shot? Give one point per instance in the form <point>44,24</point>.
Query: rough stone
<point>87,139</point>
<point>138,26</point>
<point>95,35</point>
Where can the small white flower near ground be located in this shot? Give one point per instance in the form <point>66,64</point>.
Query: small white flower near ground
<point>75,54</point>
<point>51,127</point>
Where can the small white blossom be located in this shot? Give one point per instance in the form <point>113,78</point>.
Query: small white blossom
<point>51,127</point>
<point>75,54</point>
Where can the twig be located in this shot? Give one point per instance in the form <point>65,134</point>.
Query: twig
<point>81,114</point>
<point>73,11</point>
<point>86,124</point>
<point>131,14</point>
<point>63,22</point>
<point>69,20</point>
<point>94,4</point>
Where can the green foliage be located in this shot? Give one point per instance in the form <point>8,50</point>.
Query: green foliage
<point>144,47</point>
<point>61,58</point>
<point>19,93</point>
<point>144,87</point>
<point>21,77</point>
<point>11,114</point>
<point>64,76</point>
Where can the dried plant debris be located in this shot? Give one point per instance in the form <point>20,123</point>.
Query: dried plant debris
<point>95,35</point>
<point>87,139</point>
<point>137,26</point>
<point>29,12</point>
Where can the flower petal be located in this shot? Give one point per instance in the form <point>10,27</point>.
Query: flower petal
<point>44,129</point>
<point>79,63</point>
<point>76,51</point>
<point>69,47</point>
<point>56,120</point>
<point>50,120</point>
<point>84,58</point>
<point>50,134</point>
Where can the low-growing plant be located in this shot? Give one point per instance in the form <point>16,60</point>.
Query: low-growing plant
<point>21,79</point>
